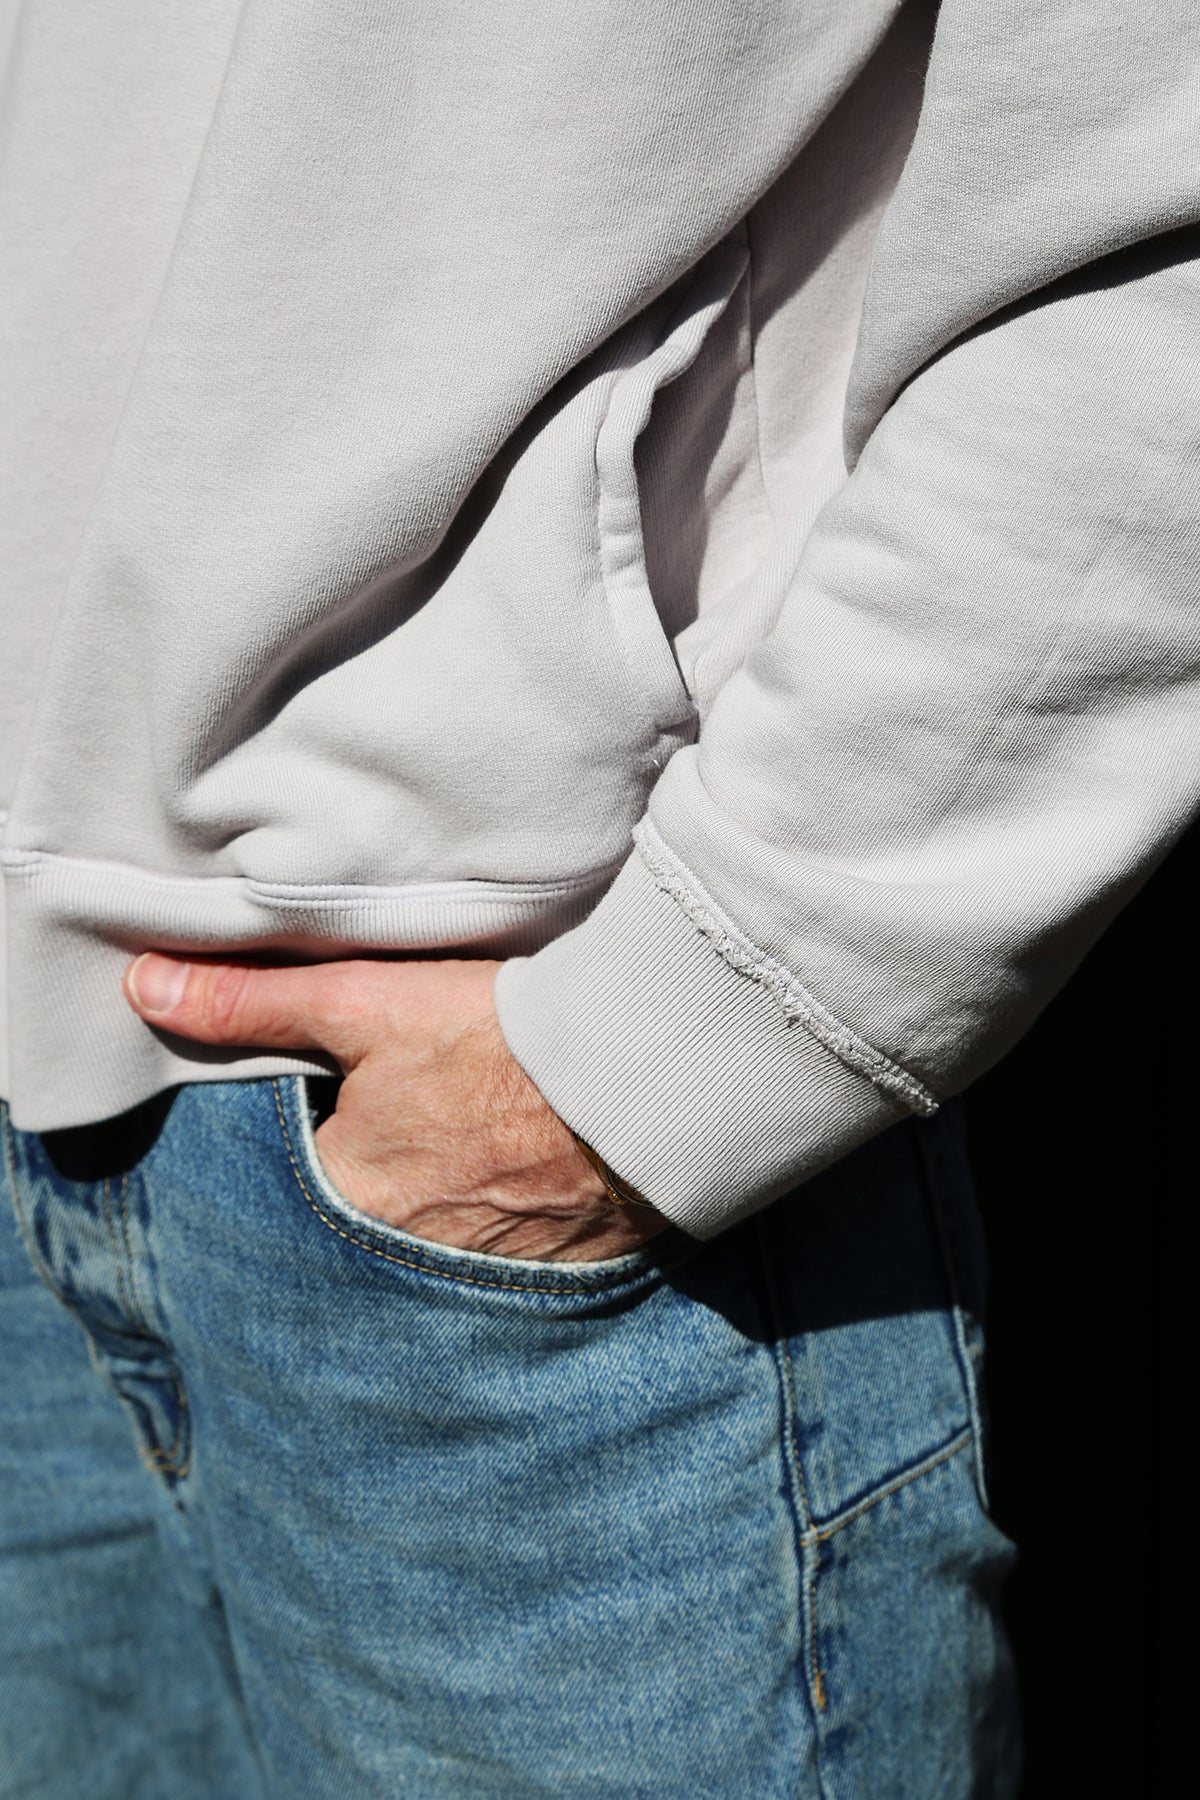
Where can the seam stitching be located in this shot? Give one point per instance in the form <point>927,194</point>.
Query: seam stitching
<point>138,1309</point>
<point>809,1537</point>
<point>40,1267</point>
<point>808,1541</point>
<point>162,1462</point>
<point>122,1291</point>
<point>157,1459</point>
<point>467,890</point>
<point>674,877</point>
<point>406,1262</point>
<point>822,1533</point>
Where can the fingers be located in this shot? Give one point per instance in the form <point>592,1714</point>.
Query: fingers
<point>224,1003</point>
<point>343,1007</point>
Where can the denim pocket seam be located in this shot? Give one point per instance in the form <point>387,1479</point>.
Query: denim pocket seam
<point>596,1290</point>
<point>175,1461</point>
<point>129,1310</point>
<point>138,1308</point>
<point>962,1440</point>
<point>163,1462</point>
<point>807,1540</point>
<point>40,1268</point>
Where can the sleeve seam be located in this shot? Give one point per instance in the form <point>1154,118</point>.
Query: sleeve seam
<point>672,875</point>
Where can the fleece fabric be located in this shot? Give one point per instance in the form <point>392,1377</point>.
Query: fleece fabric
<point>696,498</point>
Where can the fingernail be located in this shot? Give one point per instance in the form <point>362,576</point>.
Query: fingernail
<point>157,982</point>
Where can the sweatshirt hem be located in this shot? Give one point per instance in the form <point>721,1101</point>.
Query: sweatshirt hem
<point>76,1053</point>
<point>417,899</point>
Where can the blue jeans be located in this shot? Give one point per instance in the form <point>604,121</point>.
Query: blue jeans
<point>702,1521</point>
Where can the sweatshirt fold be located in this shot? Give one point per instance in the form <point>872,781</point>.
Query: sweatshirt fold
<point>452,455</point>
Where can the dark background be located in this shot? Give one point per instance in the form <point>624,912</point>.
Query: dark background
<point>1081,1147</point>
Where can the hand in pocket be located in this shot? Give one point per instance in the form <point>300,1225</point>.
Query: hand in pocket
<point>438,1130</point>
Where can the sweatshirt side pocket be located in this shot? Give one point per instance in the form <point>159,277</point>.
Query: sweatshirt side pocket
<point>644,644</point>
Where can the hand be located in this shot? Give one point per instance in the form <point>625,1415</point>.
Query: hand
<point>438,1129</point>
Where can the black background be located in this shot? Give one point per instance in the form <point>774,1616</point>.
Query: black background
<point>1081,1144</point>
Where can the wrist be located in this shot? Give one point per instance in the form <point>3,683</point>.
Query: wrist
<point>619,1191</point>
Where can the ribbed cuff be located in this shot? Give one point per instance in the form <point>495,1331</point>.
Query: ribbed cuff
<point>685,1075</point>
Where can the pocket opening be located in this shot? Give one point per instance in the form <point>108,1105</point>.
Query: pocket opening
<point>643,641</point>
<point>472,1268</point>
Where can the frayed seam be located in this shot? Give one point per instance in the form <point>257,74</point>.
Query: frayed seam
<point>793,999</point>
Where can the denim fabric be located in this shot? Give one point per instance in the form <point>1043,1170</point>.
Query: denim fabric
<point>701,1521</point>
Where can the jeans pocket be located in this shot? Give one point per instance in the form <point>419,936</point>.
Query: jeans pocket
<point>421,1256</point>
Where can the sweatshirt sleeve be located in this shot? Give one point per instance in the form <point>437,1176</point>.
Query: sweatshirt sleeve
<point>975,726</point>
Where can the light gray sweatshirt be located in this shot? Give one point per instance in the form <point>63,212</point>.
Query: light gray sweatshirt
<point>673,493</point>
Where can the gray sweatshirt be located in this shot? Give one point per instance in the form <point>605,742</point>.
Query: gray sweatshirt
<point>676,494</point>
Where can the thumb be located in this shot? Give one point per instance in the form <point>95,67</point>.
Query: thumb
<point>230,1003</point>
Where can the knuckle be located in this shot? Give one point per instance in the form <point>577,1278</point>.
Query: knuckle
<point>224,1007</point>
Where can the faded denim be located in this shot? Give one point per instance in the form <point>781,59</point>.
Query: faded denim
<point>702,1521</point>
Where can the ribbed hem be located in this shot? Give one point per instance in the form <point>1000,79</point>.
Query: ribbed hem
<point>77,1053</point>
<point>686,1075</point>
